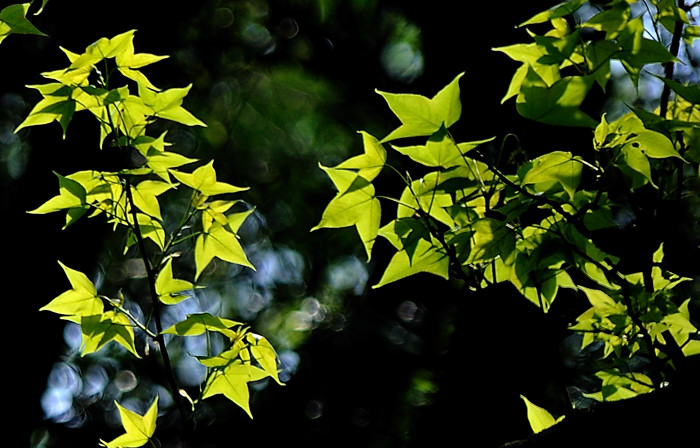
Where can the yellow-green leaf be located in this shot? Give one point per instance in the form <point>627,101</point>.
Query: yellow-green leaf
<point>146,194</point>
<point>354,205</point>
<point>539,418</point>
<point>422,116</point>
<point>168,104</point>
<point>71,197</point>
<point>417,251</point>
<point>264,354</point>
<point>221,241</point>
<point>203,179</point>
<point>557,104</point>
<point>199,323</point>
<point>369,164</point>
<point>168,288</point>
<point>232,381</point>
<point>81,300</point>
<point>98,330</point>
<point>13,20</point>
<point>139,429</point>
<point>558,166</point>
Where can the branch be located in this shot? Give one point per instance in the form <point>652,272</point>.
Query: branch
<point>670,65</point>
<point>151,275</point>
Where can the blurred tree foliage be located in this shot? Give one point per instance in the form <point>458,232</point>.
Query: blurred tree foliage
<point>284,85</point>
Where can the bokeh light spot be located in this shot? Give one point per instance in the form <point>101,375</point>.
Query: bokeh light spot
<point>125,381</point>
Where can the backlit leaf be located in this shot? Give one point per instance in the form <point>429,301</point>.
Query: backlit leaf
<point>422,116</point>
<point>128,62</point>
<point>168,288</point>
<point>98,330</point>
<point>146,194</point>
<point>13,20</point>
<point>440,151</point>
<point>264,354</point>
<point>81,300</point>
<point>556,105</point>
<point>560,10</point>
<point>417,252</point>
<point>199,323</point>
<point>58,104</point>
<point>168,104</point>
<point>71,197</point>
<point>203,179</point>
<point>232,381</point>
<point>221,241</point>
<point>139,429</point>
<point>369,164</point>
<point>558,166</point>
<point>539,418</point>
<point>354,205</point>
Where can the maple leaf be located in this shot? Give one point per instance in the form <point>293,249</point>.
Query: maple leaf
<point>81,300</point>
<point>13,19</point>
<point>139,429</point>
<point>168,288</point>
<point>221,241</point>
<point>199,323</point>
<point>98,330</point>
<point>203,179</point>
<point>232,382</point>
<point>422,116</point>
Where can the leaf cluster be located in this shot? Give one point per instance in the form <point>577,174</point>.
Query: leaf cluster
<point>541,228</point>
<point>107,80</point>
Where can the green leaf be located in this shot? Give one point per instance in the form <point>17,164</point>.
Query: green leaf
<point>611,21</point>
<point>539,418</point>
<point>71,197</point>
<point>146,194</point>
<point>638,51</point>
<point>232,381</point>
<point>561,10</point>
<point>221,241</point>
<point>81,300</point>
<point>58,104</point>
<point>355,204</point>
<point>417,252</point>
<point>168,288</point>
<point>556,105</point>
<point>98,330</point>
<point>214,212</point>
<point>369,164</point>
<point>157,158</point>
<point>128,62</point>
<point>440,150</point>
<point>13,20</point>
<point>168,104</point>
<point>265,354</point>
<point>199,323</point>
<point>203,179</point>
<point>529,55</point>
<point>421,116</point>
<point>491,238</point>
<point>690,92</point>
<point>423,196</point>
<point>139,429</point>
<point>621,386</point>
<point>149,227</point>
<point>558,166</point>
